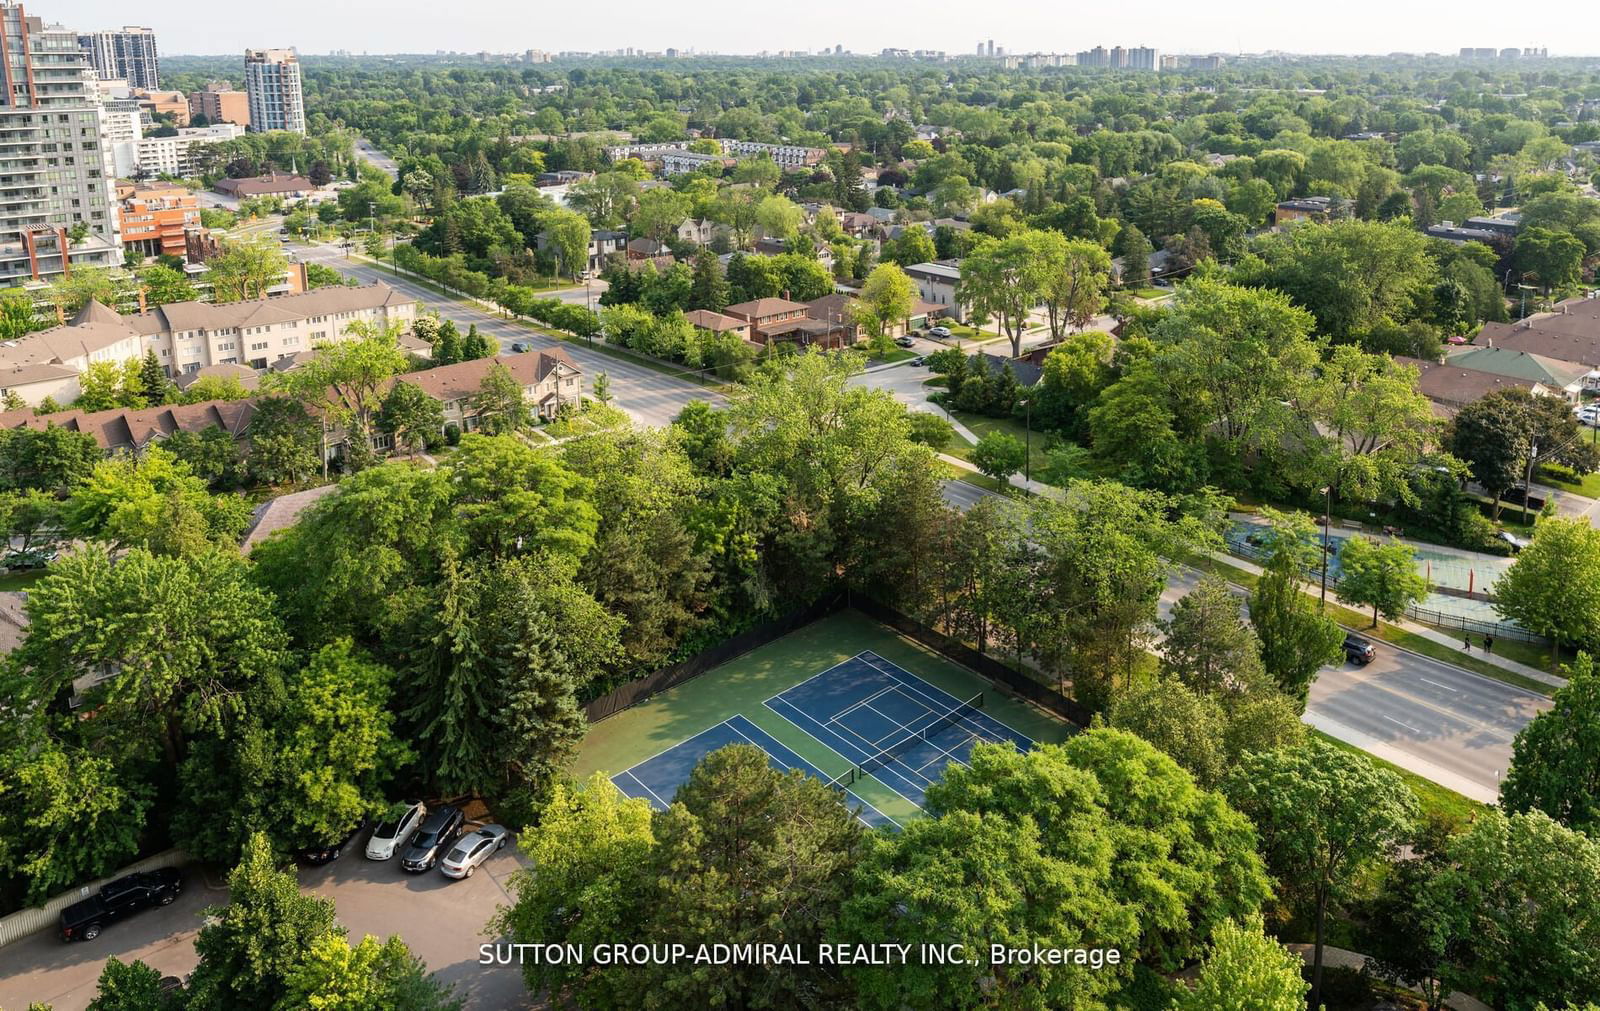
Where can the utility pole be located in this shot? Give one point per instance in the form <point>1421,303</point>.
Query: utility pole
<point>1327,508</point>
<point>1527,486</point>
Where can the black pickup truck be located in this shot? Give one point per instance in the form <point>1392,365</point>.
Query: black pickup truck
<point>82,921</point>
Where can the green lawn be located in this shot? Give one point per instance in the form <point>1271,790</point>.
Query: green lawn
<point>1433,798</point>
<point>1564,478</point>
<point>20,580</point>
<point>1150,292</point>
<point>982,426</point>
<point>897,355</point>
<point>743,684</point>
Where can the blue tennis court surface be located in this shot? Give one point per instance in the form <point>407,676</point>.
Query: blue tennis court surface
<point>657,779</point>
<point>891,724</point>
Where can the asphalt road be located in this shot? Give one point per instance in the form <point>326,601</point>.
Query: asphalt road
<point>372,156</point>
<point>1444,723</point>
<point>441,920</point>
<point>650,397</point>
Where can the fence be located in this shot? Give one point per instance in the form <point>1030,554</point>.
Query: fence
<point>30,921</point>
<point>658,681</point>
<point>1014,681</point>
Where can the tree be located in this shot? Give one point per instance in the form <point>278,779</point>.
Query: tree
<point>1384,576</point>
<point>18,314</point>
<point>931,430</point>
<point>1555,759</point>
<point>602,387</point>
<point>1410,933</point>
<point>246,269</point>
<point>126,502</point>
<point>1554,258</point>
<point>132,986</point>
<point>568,234</point>
<point>1208,646</point>
<point>914,246</point>
<point>156,388</point>
<point>659,213</point>
<point>709,289</point>
<point>1074,290</point>
<point>1296,640</point>
<point>66,816</point>
<point>1324,814</point>
<point>251,947</point>
<point>1005,279</point>
<point>1186,726</point>
<point>508,498</point>
<point>333,976</point>
<point>346,378</point>
<point>411,416</point>
<point>285,441</point>
<point>1524,893</point>
<point>499,402</point>
<point>475,345</point>
<point>1134,250</point>
<point>1245,970</point>
<point>605,199</point>
<point>1553,587</point>
<point>1492,435</point>
<point>447,349</point>
<point>886,300</point>
<point>999,455</point>
<point>163,284</point>
<point>107,385</point>
<point>53,459</point>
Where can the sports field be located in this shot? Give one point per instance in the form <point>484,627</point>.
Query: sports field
<point>844,699</point>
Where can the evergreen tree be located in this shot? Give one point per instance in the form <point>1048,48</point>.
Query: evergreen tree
<point>153,380</point>
<point>476,345</point>
<point>447,350</point>
<point>1134,249</point>
<point>710,288</point>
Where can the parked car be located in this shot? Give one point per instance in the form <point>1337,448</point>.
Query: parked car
<point>471,850</point>
<point>393,831</point>
<point>919,362</point>
<point>1589,414</point>
<point>1358,650</point>
<point>1511,540</point>
<point>24,561</point>
<point>82,921</point>
<point>328,852</point>
<point>941,332</point>
<point>904,341</point>
<point>433,837</point>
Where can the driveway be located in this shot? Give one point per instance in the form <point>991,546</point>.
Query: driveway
<point>441,920</point>
<point>650,397</point>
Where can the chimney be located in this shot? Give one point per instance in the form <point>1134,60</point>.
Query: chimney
<point>1491,342</point>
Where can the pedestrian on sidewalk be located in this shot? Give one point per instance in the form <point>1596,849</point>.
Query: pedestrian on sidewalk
<point>1466,642</point>
<point>1488,644</point>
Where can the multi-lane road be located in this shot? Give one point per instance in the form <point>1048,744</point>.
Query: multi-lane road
<point>650,397</point>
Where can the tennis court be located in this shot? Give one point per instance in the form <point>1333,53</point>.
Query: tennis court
<point>658,777</point>
<point>809,677</point>
<point>890,724</point>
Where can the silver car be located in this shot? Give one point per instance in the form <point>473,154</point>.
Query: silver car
<point>393,831</point>
<point>471,850</point>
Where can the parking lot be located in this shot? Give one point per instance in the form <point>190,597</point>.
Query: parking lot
<point>441,920</point>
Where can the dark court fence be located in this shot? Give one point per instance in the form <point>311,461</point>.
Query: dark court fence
<point>1013,681</point>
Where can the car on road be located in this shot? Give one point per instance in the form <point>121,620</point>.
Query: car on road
<point>939,331</point>
<point>904,341</point>
<point>328,852</point>
<point>520,346</point>
<point>394,830</point>
<point>919,362</point>
<point>1358,650</point>
<point>433,838</point>
<point>82,921</point>
<point>473,849</point>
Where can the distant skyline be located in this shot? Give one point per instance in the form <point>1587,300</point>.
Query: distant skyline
<point>736,26</point>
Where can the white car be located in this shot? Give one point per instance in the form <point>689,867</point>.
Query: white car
<point>471,850</point>
<point>1589,414</point>
<point>391,832</point>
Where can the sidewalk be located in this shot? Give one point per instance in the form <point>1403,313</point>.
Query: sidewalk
<point>1017,480</point>
<point>1343,958</point>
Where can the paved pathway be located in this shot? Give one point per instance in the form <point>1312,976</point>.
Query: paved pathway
<point>1336,957</point>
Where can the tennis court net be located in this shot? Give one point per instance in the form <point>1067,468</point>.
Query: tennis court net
<point>925,733</point>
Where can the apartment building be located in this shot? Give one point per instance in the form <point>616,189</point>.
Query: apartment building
<point>272,88</point>
<point>128,53</point>
<point>55,171</point>
<point>121,124</point>
<point>156,217</point>
<point>786,155</point>
<point>680,162</point>
<point>188,336</point>
<point>170,104</point>
<point>937,283</point>
<point>174,155</point>
<point>218,102</point>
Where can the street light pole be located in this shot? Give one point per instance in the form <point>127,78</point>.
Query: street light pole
<point>1027,436</point>
<point>1327,507</point>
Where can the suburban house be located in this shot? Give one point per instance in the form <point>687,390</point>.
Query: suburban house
<point>858,225</point>
<point>1028,373</point>
<point>716,322</point>
<point>806,332</point>
<point>765,314</point>
<point>1451,232</point>
<point>550,380</point>
<point>936,283</point>
<point>248,378</point>
<point>1556,377</point>
<point>1449,388</point>
<point>603,245</point>
<point>1309,209</point>
<point>188,336</point>
<point>1570,334</point>
<point>644,249</point>
<point>700,231</point>
<point>276,184</point>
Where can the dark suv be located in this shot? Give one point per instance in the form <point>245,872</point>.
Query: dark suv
<point>1358,650</point>
<point>82,921</point>
<point>432,839</point>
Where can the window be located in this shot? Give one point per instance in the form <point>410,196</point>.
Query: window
<point>259,347</point>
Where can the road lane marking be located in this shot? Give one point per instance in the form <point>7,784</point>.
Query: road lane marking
<point>1397,723</point>
<point>1438,685</point>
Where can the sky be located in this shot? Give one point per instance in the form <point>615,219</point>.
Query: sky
<point>1565,27</point>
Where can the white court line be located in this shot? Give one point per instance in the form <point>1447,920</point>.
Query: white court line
<point>802,726</point>
<point>997,722</point>
<point>646,786</point>
<point>818,674</point>
<point>1397,723</point>
<point>668,748</point>
<point>852,707</point>
<point>852,793</point>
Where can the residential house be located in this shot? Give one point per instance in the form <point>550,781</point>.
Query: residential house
<point>859,225</point>
<point>1451,232</point>
<point>274,184</point>
<point>1570,334</point>
<point>700,231</point>
<point>937,282</point>
<point>247,377</point>
<point>1449,388</point>
<point>1028,372</point>
<point>719,323</point>
<point>1558,378</point>
<point>644,249</point>
<point>1310,209</point>
<point>550,381</point>
<point>766,314</point>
